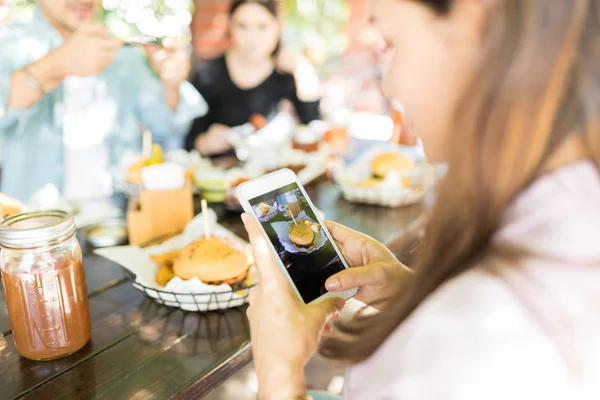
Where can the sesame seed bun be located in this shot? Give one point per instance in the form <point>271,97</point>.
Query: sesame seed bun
<point>213,261</point>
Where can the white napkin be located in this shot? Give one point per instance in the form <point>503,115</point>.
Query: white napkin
<point>265,142</point>
<point>161,177</point>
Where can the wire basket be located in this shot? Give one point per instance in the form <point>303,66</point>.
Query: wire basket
<point>237,296</point>
<point>198,302</point>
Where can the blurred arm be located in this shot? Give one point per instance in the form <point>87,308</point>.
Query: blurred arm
<point>201,124</point>
<point>19,93</point>
<point>308,85</point>
<point>153,104</point>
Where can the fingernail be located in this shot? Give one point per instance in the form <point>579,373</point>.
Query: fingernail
<point>245,218</point>
<point>332,284</point>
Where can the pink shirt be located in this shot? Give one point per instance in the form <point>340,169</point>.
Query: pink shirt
<point>527,330</point>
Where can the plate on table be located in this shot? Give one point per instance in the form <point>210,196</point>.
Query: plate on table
<point>273,209</point>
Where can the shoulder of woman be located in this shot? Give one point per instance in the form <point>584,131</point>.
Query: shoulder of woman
<point>473,338</point>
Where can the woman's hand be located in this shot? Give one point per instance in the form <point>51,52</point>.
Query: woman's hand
<point>214,141</point>
<point>373,267</point>
<point>308,86</point>
<point>285,331</point>
<point>287,61</point>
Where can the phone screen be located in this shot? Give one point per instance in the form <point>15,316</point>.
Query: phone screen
<point>302,245</point>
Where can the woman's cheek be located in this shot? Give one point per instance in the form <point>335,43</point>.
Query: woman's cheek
<point>392,75</point>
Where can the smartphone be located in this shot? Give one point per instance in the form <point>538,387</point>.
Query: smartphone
<point>304,248</point>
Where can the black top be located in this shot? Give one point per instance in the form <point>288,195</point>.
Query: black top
<point>231,106</point>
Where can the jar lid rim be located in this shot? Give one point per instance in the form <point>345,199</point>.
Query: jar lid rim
<point>37,235</point>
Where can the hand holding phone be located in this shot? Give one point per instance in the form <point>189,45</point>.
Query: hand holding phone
<point>373,267</point>
<point>285,332</point>
<point>300,242</point>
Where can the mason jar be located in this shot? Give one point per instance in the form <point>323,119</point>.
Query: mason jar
<point>44,284</point>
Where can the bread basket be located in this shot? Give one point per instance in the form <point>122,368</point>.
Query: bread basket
<point>396,190</point>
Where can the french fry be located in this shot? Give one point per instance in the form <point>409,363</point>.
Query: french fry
<point>164,275</point>
<point>165,258</point>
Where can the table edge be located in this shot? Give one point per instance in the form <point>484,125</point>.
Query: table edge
<point>219,375</point>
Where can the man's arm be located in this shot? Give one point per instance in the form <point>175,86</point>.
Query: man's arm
<point>28,85</point>
<point>87,53</point>
<point>167,109</point>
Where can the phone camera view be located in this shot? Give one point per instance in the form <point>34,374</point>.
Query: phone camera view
<point>300,241</point>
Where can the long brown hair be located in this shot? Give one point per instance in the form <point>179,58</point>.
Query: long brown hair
<point>538,84</point>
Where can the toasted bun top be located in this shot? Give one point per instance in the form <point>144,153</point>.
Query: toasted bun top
<point>302,234</point>
<point>210,260</point>
<point>387,162</point>
<point>9,206</point>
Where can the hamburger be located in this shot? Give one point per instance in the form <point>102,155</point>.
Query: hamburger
<point>303,236</point>
<point>212,261</point>
<point>263,209</point>
<point>392,161</point>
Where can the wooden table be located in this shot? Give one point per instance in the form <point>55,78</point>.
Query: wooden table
<point>140,350</point>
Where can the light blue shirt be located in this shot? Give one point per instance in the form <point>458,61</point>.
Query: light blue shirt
<point>32,139</point>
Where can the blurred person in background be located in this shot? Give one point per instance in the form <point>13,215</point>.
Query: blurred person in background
<point>503,302</point>
<point>72,100</point>
<point>252,78</point>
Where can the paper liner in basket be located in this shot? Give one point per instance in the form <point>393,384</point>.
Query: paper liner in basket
<point>190,295</point>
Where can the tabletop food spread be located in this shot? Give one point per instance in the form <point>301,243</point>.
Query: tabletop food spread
<point>180,265</point>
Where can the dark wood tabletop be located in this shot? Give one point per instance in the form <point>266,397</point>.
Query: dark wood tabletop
<point>141,350</point>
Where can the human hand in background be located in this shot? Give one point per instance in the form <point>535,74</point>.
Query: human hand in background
<point>89,51</point>
<point>171,62</point>
<point>214,141</point>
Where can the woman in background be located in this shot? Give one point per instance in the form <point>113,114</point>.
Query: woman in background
<point>504,299</point>
<point>252,78</point>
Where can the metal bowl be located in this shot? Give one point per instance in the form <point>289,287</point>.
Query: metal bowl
<point>107,234</point>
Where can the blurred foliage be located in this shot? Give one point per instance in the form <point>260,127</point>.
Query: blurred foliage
<point>21,3</point>
<point>126,18</point>
<point>316,27</point>
<point>19,10</point>
<point>155,18</point>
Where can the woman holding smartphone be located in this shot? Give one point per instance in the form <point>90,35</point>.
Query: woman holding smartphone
<point>251,78</point>
<point>504,298</point>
